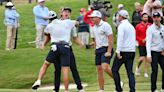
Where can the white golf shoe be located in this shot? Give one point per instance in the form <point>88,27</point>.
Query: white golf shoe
<point>137,73</point>
<point>36,85</point>
<point>146,75</point>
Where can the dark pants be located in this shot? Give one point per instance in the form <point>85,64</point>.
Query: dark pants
<point>156,58</point>
<point>74,71</point>
<point>1,2</point>
<point>127,59</point>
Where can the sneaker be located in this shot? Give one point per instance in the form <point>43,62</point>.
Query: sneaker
<point>137,73</point>
<point>146,75</point>
<point>37,47</point>
<point>156,91</point>
<point>87,46</point>
<point>36,85</point>
<point>7,49</point>
<point>122,84</point>
<point>162,90</point>
<point>82,90</point>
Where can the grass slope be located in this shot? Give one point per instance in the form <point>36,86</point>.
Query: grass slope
<point>19,68</point>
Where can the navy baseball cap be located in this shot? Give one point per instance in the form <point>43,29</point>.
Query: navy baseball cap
<point>156,14</point>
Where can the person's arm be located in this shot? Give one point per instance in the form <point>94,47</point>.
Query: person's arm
<point>138,38</point>
<point>157,5</point>
<point>93,43</point>
<point>163,49</point>
<point>149,3</point>
<point>46,40</point>
<point>110,45</point>
<point>148,44</point>
<point>39,15</point>
<point>78,41</point>
<point>76,38</point>
<point>120,38</point>
<point>47,36</point>
<point>109,33</point>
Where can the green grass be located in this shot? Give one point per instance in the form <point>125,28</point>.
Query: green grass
<point>19,68</point>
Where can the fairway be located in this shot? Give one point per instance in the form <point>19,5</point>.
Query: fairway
<point>19,68</point>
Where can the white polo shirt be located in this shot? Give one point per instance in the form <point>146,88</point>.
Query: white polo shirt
<point>100,33</point>
<point>154,40</point>
<point>61,30</point>
<point>126,37</point>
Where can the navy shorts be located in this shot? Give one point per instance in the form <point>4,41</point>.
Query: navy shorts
<point>100,56</point>
<point>62,55</point>
<point>142,50</point>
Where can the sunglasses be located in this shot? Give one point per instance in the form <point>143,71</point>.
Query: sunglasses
<point>161,35</point>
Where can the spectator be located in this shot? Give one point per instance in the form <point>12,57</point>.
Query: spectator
<point>136,16</point>
<point>11,22</point>
<point>83,28</point>
<point>116,15</point>
<point>148,9</point>
<point>41,21</point>
<point>141,38</point>
<point>157,7</point>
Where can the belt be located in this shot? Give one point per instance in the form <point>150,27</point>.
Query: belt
<point>60,43</point>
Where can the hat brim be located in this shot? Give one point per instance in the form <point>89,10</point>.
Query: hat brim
<point>41,1</point>
<point>67,9</point>
<point>9,5</point>
<point>91,16</point>
<point>156,16</point>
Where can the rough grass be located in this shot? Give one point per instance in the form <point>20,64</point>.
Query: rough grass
<point>19,68</point>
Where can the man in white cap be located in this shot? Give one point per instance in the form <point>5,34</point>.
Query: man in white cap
<point>11,22</point>
<point>103,37</point>
<point>125,51</point>
<point>41,21</point>
<point>116,15</point>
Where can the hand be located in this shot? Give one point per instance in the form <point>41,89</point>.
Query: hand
<point>77,23</point>
<point>82,45</point>
<point>107,54</point>
<point>119,56</point>
<point>144,41</point>
<point>93,44</point>
<point>42,47</point>
<point>162,53</point>
<point>149,60</point>
<point>18,25</point>
<point>46,18</point>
